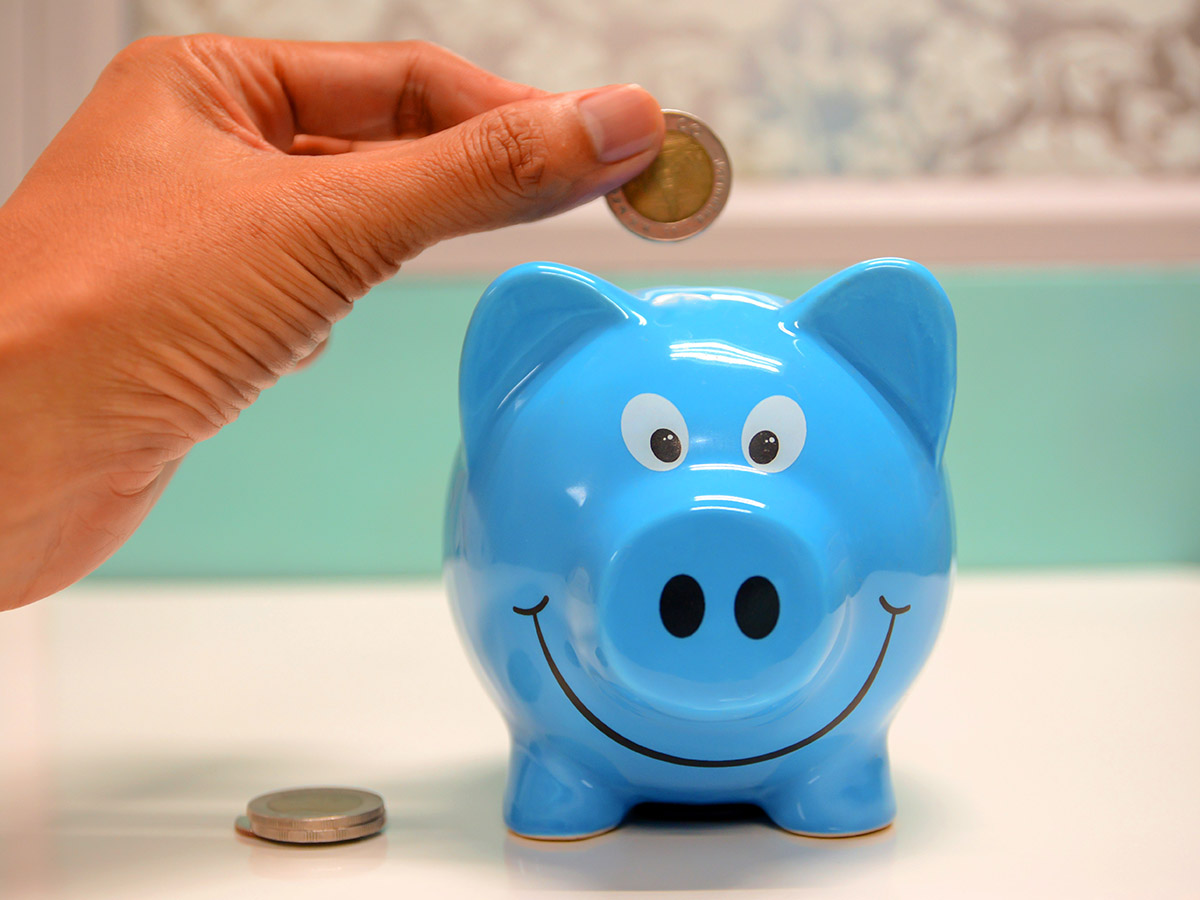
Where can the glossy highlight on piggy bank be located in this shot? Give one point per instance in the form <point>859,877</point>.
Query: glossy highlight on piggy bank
<point>699,540</point>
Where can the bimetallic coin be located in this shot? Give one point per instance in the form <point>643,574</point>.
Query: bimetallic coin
<point>683,190</point>
<point>314,815</point>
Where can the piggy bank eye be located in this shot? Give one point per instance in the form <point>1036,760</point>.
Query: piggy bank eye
<point>774,433</point>
<point>654,432</point>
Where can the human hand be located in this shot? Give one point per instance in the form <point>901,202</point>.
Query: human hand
<point>213,207</point>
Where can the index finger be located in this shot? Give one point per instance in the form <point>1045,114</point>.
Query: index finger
<point>355,91</point>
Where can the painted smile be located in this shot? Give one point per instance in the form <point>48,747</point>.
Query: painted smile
<point>619,738</point>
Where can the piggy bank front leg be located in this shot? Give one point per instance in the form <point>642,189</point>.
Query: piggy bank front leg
<point>848,793</point>
<point>552,797</point>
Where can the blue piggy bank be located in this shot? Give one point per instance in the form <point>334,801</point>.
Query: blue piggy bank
<point>699,540</point>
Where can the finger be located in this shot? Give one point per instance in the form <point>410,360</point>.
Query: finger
<point>515,163</point>
<point>356,91</point>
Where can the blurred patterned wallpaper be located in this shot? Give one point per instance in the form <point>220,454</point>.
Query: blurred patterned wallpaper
<point>824,87</point>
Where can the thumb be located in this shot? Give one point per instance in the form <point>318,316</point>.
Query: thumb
<point>513,163</point>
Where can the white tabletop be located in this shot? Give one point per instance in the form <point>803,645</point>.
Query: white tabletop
<point>1050,748</point>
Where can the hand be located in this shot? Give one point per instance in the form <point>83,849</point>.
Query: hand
<point>196,228</point>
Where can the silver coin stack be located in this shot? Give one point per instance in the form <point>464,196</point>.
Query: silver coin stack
<point>313,815</point>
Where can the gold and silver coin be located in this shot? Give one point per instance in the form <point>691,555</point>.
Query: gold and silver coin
<point>313,815</point>
<point>683,190</point>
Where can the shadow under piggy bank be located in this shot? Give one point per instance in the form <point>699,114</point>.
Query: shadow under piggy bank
<point>452,817</point>
<point>663,847</point>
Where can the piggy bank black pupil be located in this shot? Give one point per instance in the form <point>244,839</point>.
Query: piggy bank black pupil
<point>664,444</point>
<point>764,447</point>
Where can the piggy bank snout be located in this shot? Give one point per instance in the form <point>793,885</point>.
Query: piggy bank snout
<point>715,613</point>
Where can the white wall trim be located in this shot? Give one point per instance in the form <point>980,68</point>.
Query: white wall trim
<point>838,222</point>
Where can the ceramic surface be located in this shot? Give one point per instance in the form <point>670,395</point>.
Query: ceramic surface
<point>699,540</point>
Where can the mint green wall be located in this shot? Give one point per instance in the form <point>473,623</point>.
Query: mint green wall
<point>1076,436</point>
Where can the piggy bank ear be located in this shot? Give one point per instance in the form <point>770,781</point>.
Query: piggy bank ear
<point>891,320</point>
<point>525,320</point>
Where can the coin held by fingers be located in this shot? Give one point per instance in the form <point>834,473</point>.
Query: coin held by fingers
<point>683,190</point>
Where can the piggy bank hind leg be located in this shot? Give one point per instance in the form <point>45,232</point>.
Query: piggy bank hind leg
<point>846,794</point>
<point>551,797</point>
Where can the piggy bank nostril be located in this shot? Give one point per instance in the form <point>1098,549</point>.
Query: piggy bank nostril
<point>681,605</point>
<point>756,607</point>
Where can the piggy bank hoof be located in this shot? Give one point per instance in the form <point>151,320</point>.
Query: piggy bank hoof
<point>550,798</point>
<point>846,801</point>
<point>840,835</point>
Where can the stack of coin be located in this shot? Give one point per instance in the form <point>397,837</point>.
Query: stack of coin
<point>683,190</point>
<point>315,815</point>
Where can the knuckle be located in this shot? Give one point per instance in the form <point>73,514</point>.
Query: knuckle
<point>422,48</point>
<point>143,47</point>
<point>168,51</point>
<point>427,54</point>
<point>142,51</point>
<point>206,47</point>
<point>205,41</point>
<point>516,150</point>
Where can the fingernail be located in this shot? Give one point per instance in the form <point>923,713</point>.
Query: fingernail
<point>619,121</point>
